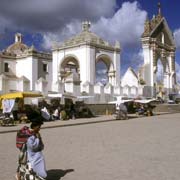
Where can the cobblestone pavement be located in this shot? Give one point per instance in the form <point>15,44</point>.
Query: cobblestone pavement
<point>136,149</point>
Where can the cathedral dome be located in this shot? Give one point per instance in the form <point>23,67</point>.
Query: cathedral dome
<point>86,36</point>
<point>17,47</point>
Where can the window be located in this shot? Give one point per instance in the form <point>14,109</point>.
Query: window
<point>45,68</point>
<point>6,67</point>
<point>162,37</point>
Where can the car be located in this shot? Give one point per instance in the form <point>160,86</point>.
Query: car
<point>175,97</point>
<point>177,100</point>
<point>171,102</point>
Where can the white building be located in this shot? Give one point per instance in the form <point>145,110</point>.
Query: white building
<point>130,84</point>
<point>24,69</point>
<point>158,46</point>
<point>72,66</point>
<point>78,57</point>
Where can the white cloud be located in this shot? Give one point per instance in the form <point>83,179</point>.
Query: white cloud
<point>4,24</point>
<point>102,79</point>
<point>102,71</point>
<point>50,16</point>
<point>160,71</point>
<point>126,26</point>
<point>137,60</point>
<point>177,38</point>
<point>58,37</point>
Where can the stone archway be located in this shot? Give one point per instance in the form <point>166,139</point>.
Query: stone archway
<point>158,45</point>
<point>110,71</point>
<point>69,65</point>
<point>161,72</point>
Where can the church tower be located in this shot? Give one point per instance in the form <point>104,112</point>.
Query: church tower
<point>158,47</point>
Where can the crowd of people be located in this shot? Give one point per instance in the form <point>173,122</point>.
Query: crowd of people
<point>12,108</point>
<point>58,113</point>
<point>122,109</point>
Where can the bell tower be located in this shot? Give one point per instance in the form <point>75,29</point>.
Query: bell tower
<point>158,45</point>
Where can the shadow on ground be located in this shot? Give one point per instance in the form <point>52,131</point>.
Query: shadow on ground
<point>56,174</point>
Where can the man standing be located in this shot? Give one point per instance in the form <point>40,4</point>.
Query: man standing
<point>123,111</point>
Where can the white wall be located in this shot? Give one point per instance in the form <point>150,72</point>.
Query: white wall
<point>148,65</point>
<point>24,67</point>
<point>86,57</point>
<point>117,66</point>
<point>11,64</point>
<point>129,79</point>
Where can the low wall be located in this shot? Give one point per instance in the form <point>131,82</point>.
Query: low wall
<point>108,109</point>
<point>102,109</point>
<point>170,108</point>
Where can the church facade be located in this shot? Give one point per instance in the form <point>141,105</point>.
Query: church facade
<point>74,65</point>
<point>23,68</point>
<point>158,46</point>
<point>71,67</point>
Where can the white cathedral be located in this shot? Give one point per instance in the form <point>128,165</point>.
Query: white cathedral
<point>71,67</point>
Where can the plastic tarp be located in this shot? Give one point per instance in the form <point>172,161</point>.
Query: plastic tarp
<point>15,95</point>
<point>120,101</point>
<point>59,95</point>
<point>20,95</point>
<point>144,101</point>
<point>84,97</point>
<point>7,105</point>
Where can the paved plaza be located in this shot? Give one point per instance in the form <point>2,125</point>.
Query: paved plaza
<point>146,148</point>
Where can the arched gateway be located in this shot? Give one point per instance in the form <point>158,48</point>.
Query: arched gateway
<point>158,45</point>
<point>80,54</point>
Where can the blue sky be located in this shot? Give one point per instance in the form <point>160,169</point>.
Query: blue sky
<point>43,22</point>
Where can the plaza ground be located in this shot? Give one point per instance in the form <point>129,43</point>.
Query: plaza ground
<point>144,148</point>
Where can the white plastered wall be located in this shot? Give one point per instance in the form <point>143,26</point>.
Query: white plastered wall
<point>28,67</point>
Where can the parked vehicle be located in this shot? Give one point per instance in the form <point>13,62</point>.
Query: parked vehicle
<point>144,107</point>
<point>174,97</point>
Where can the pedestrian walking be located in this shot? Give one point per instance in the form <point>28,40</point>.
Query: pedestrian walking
<point>35,146</point>
<point>31,152</point>
<point>72,111</point>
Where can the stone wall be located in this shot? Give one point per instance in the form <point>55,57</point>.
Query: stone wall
<point>108,109</point>
<point>169,108</point>
<point>102,109</point>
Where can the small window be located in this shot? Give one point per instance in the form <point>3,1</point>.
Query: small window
<point>162,37</point>
<point>45,68</point>
<point>6,67</point>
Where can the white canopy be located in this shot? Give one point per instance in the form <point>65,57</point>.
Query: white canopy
<point>60,95</point>
<point>144,101</point>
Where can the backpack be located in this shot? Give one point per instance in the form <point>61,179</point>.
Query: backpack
<point>21,138</point>
<point>22,135</point>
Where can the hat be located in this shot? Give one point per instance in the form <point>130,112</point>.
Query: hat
<point>35,118</point>
<point>36,123</point>
<point>34,115</point>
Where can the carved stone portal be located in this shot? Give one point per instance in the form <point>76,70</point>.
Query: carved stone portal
<point>158,45</point>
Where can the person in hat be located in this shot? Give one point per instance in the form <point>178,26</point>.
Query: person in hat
<point>34,150</point>
<point>35,144</point>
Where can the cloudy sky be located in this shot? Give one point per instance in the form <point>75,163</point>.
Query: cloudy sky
<point>43,22</point>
